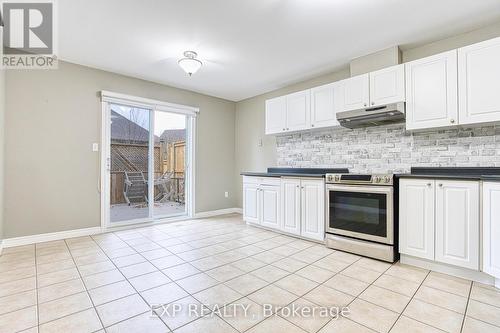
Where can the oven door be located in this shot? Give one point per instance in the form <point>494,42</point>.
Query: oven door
<point>363,212</point>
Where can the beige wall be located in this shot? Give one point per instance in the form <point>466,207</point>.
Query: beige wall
<point>52,119</point>
<point>2,131</point>
<point>249,125</point>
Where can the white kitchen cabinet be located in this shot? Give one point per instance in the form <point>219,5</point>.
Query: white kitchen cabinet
<point>276,115</point>
<point>439,221</point>
<point>261,201</point>
<point>387,86</point>
<point>431,91</point>
<point>270,203</point>
<point>491,228</point>
<point>251,203</point>
<point>478,82</point>
<point>353,93</point>
<point>416,217</point>
<point>298,110</point>
<point>323,112</point>
<point>313,209</point>
<point>457,223</point>
<point>290,205</point>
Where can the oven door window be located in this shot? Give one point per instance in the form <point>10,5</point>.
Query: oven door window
<point>360,212</point>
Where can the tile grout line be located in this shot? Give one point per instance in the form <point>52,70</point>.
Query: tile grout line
<point>84,285</point>
<point>466,307</point>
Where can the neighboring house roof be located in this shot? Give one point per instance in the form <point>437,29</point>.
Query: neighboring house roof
<point>124,130</point>
<point>173,135</point>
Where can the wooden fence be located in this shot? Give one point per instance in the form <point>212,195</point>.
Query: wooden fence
<point>133,157</point>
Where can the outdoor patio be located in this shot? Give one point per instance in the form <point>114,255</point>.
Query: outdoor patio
<point>124,212</point>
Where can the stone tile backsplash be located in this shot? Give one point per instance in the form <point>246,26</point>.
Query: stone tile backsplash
<point>390,149</point>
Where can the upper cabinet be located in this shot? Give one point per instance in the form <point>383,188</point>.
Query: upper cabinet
<point>479,82</point>
<point>288,113</point>
<point>353,93</point>
<point>431,91</point>
<point>458,87</point>
<point>276,115</point>
<point>323,112</point>
<point>387,86</point>
<point>298,110</point>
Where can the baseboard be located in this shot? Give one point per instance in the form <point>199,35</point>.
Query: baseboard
<point>460,272</point>
<point>218,212</point>
<point>27,240</point>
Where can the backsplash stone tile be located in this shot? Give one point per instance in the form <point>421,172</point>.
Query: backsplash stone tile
<point>390,149</point>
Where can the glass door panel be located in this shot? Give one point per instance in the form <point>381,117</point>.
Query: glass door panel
<point>129,163</point>
<point>169,164</point>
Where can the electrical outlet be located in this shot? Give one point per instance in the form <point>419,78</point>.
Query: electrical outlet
<point>260,143</point>
<point>95,147</point>
<point>226,194</point>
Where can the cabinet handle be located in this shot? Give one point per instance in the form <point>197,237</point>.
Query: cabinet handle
<point>440,185</point>
<point>365,104</point>
<point>284,129</point>
<point>452,121</point>
<point>312,125</point>
<point>373,103</point>
<point>429,184</point>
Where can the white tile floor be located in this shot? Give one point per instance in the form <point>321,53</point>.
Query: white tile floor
<point>108,282</point>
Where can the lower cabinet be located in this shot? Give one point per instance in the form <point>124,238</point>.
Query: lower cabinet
<point>261,201</point>
<point>313,209</point>
<point>302,204</point>
<point>491,228</point>
<point>270,203</point>
<point>439,220</point>
<point>292,205</point>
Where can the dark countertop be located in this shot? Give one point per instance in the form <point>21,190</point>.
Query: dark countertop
<point>295,172</point>
<point>467,173</point>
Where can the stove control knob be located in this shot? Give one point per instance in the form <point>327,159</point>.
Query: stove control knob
<point>337,178</point>
<point>376,179</point>
<point>387,179</point>
<point>329,178</point>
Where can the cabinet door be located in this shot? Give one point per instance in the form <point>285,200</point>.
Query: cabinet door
<point>298,109</point>
<point>353,93</point>
<point>290,205</point>
<point>251,205</point>
<point>313,209</point>
<point>491,228</point>
<point>323,113</point>
<point>431,91</point>
<point>270,200</point>
<point>276,115</point>
<point>457,223</point>
<point>478,82</point>
<point>387,86</point>
<point>416,217</point>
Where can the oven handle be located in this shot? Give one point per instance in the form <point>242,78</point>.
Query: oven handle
<point>361,189</point>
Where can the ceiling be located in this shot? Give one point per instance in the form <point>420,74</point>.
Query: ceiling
<point>251,46</point>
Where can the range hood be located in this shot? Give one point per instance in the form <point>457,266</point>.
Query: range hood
<point>375,116</point>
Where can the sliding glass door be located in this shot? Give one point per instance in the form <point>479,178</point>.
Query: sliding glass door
<point>169,164</point>
<point>147,154</point>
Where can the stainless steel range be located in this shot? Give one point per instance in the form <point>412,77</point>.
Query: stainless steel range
<point>360,216</point>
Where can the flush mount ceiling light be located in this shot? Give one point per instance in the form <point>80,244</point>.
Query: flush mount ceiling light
<point>189,63</point>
